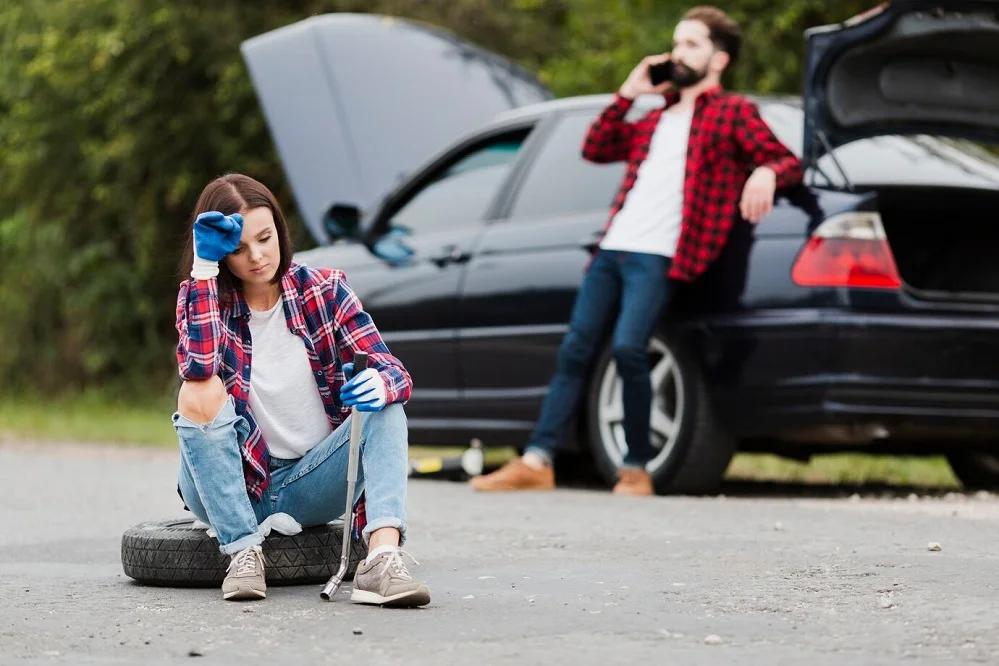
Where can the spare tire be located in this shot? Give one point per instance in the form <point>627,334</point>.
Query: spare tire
<point>174,553</point>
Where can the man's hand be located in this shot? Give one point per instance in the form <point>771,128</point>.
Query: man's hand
<point>638,82</point>
<point>758,194</point>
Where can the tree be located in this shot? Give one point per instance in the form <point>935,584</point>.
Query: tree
<point>115,113</point>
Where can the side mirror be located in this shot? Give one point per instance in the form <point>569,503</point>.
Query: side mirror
<point>342,221</point>
<point>392,250</point>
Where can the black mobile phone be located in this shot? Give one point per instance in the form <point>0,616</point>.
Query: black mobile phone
<point>661,73</point>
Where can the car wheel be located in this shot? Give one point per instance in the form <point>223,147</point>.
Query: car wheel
<point>175,553</point>
<point>977,470</point>
<point>693,451</point>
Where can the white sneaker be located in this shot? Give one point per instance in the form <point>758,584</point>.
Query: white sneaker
<point>245,579</point>
<point>385,581</point>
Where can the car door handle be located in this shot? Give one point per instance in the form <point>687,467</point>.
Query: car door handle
<point>451,254</point>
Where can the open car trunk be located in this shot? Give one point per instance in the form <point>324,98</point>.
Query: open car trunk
<point>916,68</point>
<point>903,67</point>
<point>945,240</point>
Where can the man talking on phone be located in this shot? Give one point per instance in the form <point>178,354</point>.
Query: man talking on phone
<point>694,165</point>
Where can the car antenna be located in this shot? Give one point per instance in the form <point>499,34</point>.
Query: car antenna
<point>832,153</point>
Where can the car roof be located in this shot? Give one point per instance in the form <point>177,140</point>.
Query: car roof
<point>593,102</point>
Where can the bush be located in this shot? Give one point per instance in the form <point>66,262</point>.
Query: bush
<point>115,113</point>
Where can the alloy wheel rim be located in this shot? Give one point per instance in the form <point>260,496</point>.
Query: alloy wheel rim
<point>667,407</point>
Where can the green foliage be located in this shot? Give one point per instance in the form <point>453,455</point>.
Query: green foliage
<point>603,40</point>
<point>115,113</point>
<point>30,258</point>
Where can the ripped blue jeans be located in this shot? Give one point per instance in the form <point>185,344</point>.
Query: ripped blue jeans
<point>311,489</point>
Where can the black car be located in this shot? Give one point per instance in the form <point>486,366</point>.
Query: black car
<point>860,314</point>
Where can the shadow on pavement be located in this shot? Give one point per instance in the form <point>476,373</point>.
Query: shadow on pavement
<point>578,473</point>
<point>761,489</point>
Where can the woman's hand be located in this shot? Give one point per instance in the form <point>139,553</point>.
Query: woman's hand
<point>215,235</point>
<point>366,390</point>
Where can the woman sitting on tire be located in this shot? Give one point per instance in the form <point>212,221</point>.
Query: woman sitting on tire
<point>274,441</point>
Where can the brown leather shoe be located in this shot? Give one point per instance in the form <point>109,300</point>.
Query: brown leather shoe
<point>636,482</point>
<point>516,475</point>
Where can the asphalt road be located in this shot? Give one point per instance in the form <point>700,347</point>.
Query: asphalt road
<point>577,576</point>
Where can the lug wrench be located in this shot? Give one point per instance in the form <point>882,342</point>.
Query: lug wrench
<point>360,363</point>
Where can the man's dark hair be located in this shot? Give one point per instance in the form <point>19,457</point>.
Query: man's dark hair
<point>725,32</point>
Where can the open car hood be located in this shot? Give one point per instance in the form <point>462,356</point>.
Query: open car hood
<point>353,101</point>
<point>907,67</point>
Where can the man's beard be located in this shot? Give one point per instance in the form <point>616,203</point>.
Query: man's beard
<point>685,77</point>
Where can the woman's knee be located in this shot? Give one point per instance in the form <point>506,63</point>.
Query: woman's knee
<point>200,401</point>
<point>388,424</point>
<point>392,416</point>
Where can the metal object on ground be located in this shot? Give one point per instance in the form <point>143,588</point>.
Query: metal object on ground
<point>360,364</point>
<point>470,463</point>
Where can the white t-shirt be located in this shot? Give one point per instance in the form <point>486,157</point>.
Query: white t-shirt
<point>652,215</point>
<point>284,397</point>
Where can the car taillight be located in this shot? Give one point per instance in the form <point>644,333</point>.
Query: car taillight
<point>848,250</point>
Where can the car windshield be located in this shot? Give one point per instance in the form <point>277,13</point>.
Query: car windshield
<point>892,159</point>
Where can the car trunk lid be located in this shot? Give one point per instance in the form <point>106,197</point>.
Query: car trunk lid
<point>909,67</point>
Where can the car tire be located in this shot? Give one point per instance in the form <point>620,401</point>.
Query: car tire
<point>977,470</point>
<point>175,553</point>
<point>694,451</point>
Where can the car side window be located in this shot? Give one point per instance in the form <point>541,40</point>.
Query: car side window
<point>461,192</point>
<point>561,182</point>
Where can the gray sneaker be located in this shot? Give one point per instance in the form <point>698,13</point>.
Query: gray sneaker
<point>385,581</point>
<point>245,579</point>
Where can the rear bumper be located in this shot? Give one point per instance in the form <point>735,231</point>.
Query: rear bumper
<point>897,376</point>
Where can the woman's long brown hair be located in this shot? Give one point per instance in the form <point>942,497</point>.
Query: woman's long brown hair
<point>228,194</point>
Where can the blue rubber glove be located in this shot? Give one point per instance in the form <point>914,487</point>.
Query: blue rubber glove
<point>367,390</point>
<point>215,235</point>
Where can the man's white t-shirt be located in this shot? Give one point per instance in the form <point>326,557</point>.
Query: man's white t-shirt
<point>652,215</point>
<point>284,396</point>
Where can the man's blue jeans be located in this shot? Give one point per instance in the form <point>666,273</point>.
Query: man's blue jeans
<point>632,287</point>
<point>311,489</point>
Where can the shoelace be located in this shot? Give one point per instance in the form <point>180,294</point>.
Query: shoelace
<point>397,565</point>
<point>245,562</point>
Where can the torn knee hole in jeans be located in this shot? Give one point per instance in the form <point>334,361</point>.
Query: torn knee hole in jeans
<point>194,416</point>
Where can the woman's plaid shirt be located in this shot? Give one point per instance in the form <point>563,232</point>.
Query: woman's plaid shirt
<point>322,310</point>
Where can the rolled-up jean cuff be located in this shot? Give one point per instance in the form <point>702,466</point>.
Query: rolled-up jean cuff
<point>254,539</point>
<point>379,523</point>
<point>541,453</point>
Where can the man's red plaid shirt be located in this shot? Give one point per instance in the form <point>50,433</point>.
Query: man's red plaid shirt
<point>728,140</point>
